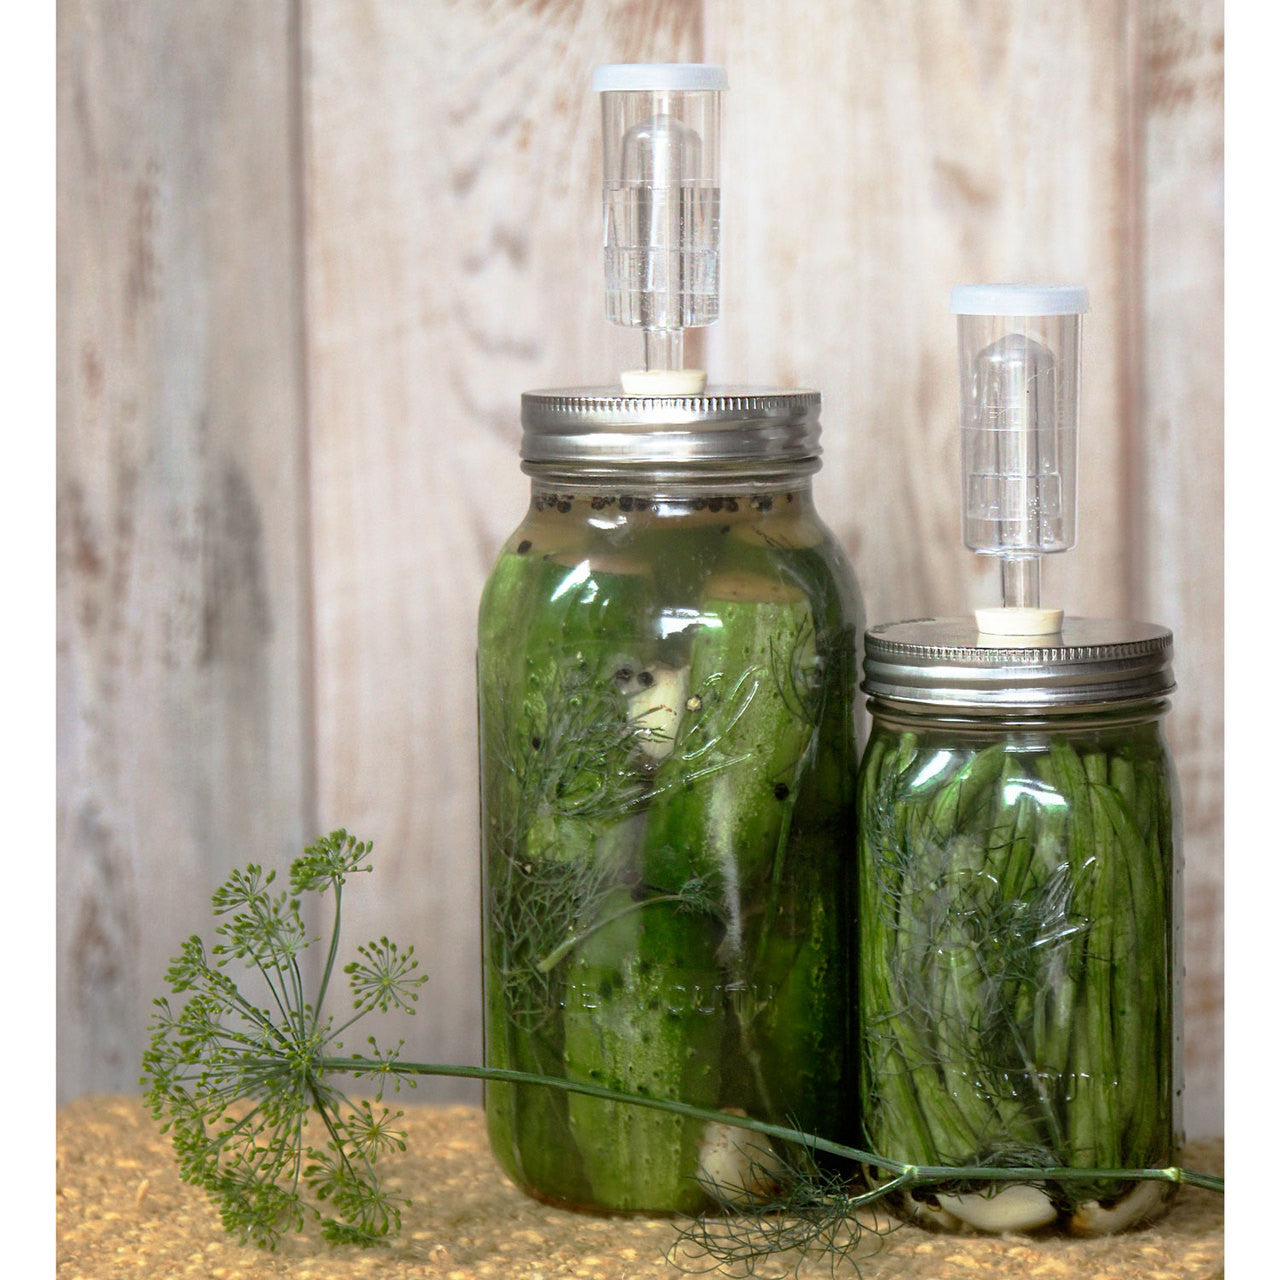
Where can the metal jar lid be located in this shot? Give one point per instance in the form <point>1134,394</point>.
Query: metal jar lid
<point>598,433</point>
<point>946,664</point>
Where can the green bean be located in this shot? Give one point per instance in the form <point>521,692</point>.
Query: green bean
<point>1013,935</point>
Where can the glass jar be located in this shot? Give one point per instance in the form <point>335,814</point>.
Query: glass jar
<point>1020,918</point>
<point>666,672</point>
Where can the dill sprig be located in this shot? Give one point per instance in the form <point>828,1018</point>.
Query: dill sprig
<point>693,896</point>
<point>812,1214</point>
<point>249,1093</point>
<point>243,1087</point>
<point>568,750</point>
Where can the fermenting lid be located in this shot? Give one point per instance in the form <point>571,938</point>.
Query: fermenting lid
<point>945,663</point>
<point>596,432</point>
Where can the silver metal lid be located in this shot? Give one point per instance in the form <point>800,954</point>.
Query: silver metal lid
<point>599,432</point>
<point>945,663</point>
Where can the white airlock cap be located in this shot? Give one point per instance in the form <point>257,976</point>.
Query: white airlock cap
<point>623,77</point>
<point>1019,300</point>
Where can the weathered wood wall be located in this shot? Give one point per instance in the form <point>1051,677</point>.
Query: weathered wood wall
<point>184,740</point>
<point>311,252</point>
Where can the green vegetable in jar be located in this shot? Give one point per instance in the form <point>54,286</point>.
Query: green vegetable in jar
<point>1016,961</point>
<point>666,757</point>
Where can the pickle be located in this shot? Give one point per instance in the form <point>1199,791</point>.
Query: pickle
<point>796,1016</point>
<point>666,778</point>
<point>557,794</point>
<point>644,1017</point>
<point>724,802</point>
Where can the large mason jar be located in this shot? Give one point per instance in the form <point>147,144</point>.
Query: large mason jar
<point>1020,918</point>
<point>666,678</point>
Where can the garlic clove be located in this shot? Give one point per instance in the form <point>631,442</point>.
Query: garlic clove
<point>1145,1200</point>
<point>656,700</point>
<point>736,1166</point>
<point>1017,1208</point>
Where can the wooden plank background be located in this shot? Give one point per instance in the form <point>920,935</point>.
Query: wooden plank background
<point>311,251</point>
<point>184,741</point>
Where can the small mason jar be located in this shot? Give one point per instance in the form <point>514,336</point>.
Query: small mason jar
<point>666,671</point>
<point>1020,919</point>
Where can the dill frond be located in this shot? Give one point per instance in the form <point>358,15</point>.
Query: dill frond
<point>245,1091</point>
<point>815,1218</point>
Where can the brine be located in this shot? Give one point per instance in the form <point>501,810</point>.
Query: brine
<point>667,759</point>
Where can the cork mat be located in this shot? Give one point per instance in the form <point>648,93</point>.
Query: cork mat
<point>123,1212</point>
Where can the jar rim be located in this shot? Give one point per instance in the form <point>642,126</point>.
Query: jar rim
<point>600,432</point>
<point>945,663</point>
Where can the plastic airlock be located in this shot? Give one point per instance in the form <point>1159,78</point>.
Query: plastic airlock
<point>1019,348</point>
<point>661,188</point>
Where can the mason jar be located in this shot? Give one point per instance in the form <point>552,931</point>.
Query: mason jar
<point>666,672</point>
<point>1020,919</point>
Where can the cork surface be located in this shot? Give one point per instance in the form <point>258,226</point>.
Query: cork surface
<point>123,1212</point>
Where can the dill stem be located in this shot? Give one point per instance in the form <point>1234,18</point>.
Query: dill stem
<point>907,1178</point>
<point>224,1135</point>
<point>553,958</point>
<point>300,1005</point>
<point>912,1173</point>
<point>251,1014</point>
<point>355,1017</point>
<point>332,957</point>
<point>266,965</point>
<point>338,1145</point>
